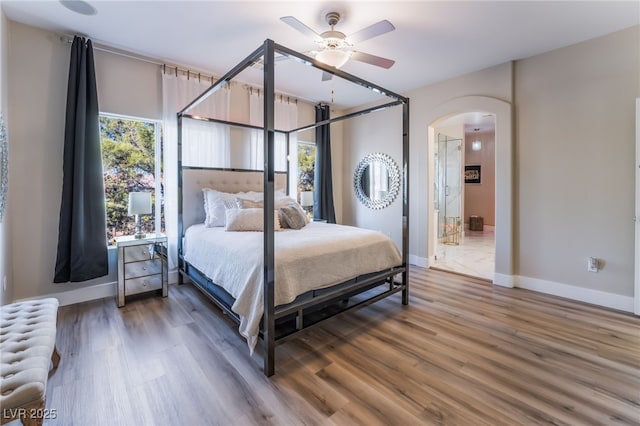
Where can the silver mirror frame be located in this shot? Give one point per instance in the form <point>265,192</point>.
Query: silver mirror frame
<point>394,180</point>
<point>4,167</point>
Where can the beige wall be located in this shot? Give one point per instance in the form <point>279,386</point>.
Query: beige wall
<point>379,131</point>
<point>575,162</point>
<point>5,258</point>
<point>573,156</point>
<point>573,170</point>
<point>37,69</point>
<point>427,109</point>
<point>480,198</point>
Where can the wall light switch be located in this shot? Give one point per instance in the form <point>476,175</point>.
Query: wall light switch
<point>592,264</point>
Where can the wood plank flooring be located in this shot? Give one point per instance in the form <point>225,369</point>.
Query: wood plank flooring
<point>462,353</point>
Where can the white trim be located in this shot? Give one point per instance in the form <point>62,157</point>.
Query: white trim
<point>130,117</point>
<point>504,280</point>
<point>636,304</point>
<point>423,262</point>
<point>94,292</point>
<point>594,297</point>
<point>85,294</point>
<point>173,276</point>
<point>503,112</point>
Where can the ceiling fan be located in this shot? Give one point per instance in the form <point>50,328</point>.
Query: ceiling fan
<point>336,48</point>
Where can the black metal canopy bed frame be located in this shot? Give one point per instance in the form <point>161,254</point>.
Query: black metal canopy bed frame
<point>282,321</point>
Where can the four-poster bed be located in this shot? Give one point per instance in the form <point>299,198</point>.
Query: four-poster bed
<point>284,292</point>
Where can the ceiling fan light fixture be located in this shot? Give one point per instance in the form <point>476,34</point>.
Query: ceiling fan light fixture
<point>333,57</point>
<point>333,40</point>
<point>335,46</point>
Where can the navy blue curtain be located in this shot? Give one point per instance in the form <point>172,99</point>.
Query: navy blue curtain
<point>323,182</point>
<point>82,233</point>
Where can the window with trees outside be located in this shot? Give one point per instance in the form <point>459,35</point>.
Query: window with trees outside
<point>131,162</point>
<point>306,168</point>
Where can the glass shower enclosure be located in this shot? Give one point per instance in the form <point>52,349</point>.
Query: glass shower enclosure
<point>448,188</point>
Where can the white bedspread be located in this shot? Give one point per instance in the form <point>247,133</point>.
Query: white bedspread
<point>316,256</point>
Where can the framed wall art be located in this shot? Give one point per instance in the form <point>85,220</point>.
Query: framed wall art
<point>472,174</point>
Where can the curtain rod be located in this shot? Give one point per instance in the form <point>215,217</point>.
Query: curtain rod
<point>113,50</point>
<point>124,53</point>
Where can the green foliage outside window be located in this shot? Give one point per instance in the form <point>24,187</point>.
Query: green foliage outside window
<point>306,166</point>
<point>128,161</point>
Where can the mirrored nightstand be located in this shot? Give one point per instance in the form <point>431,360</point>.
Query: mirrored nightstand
<point>142,266</point>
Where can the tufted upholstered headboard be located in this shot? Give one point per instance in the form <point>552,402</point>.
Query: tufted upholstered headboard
<point>193,180</point>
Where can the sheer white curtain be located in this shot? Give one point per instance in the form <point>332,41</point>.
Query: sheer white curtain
<point>286,118</point>
<point>204,143</point>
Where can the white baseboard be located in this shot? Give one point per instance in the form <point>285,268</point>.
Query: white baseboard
<point>173,276</point>
<point>504,280</point>
<point>94,292</point>
<point>78,295</point>
<point>594,297</point>
<point>422,262</point>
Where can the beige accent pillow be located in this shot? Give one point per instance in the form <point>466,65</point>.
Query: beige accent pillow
<point>250,219</point>
<point>292,217</point>
<point>255,200</point>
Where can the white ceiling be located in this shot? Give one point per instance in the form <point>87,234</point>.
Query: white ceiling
<point>433,41</point>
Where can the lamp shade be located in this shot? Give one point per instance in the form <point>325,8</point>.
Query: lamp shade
<point>306,198</point>
<point>476,145</point>
<point>334,57</point>
<point>139,203</point>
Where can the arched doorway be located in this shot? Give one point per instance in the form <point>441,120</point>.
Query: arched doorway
<point>502,111</point>
<point>464,194</point>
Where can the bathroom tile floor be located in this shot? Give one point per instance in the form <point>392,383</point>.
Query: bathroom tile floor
<point>474,256</point>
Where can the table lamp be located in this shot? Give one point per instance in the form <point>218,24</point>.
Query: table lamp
<point>139,203</point>
<point>306,200</point>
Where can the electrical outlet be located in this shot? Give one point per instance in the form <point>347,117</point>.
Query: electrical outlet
<point>4,283</point>
<point>592,264</point>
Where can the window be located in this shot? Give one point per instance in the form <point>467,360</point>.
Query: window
<point>306,168</point>
<point>131,162</point>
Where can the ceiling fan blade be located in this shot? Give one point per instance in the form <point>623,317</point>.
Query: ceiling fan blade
<point>326,76</point>
<point>372,59</point>
<point>371,31</point>
<point>290,20</point>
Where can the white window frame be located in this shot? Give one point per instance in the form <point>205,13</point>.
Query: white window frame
<point>157,129</point>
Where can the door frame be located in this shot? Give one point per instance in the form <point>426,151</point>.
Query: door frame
<point>636,302</point>
<point>503,111</point>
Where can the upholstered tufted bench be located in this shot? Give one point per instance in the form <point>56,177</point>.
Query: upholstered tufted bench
<point>27,348</point>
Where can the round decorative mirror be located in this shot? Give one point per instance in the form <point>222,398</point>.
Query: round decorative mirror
<point>4,166</point>
<point>376,180</point>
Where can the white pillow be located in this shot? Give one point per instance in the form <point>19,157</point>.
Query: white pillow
<point>250,195</point>
<point>214,206</point>
<point>259,196</point>
<point>251,219</point>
